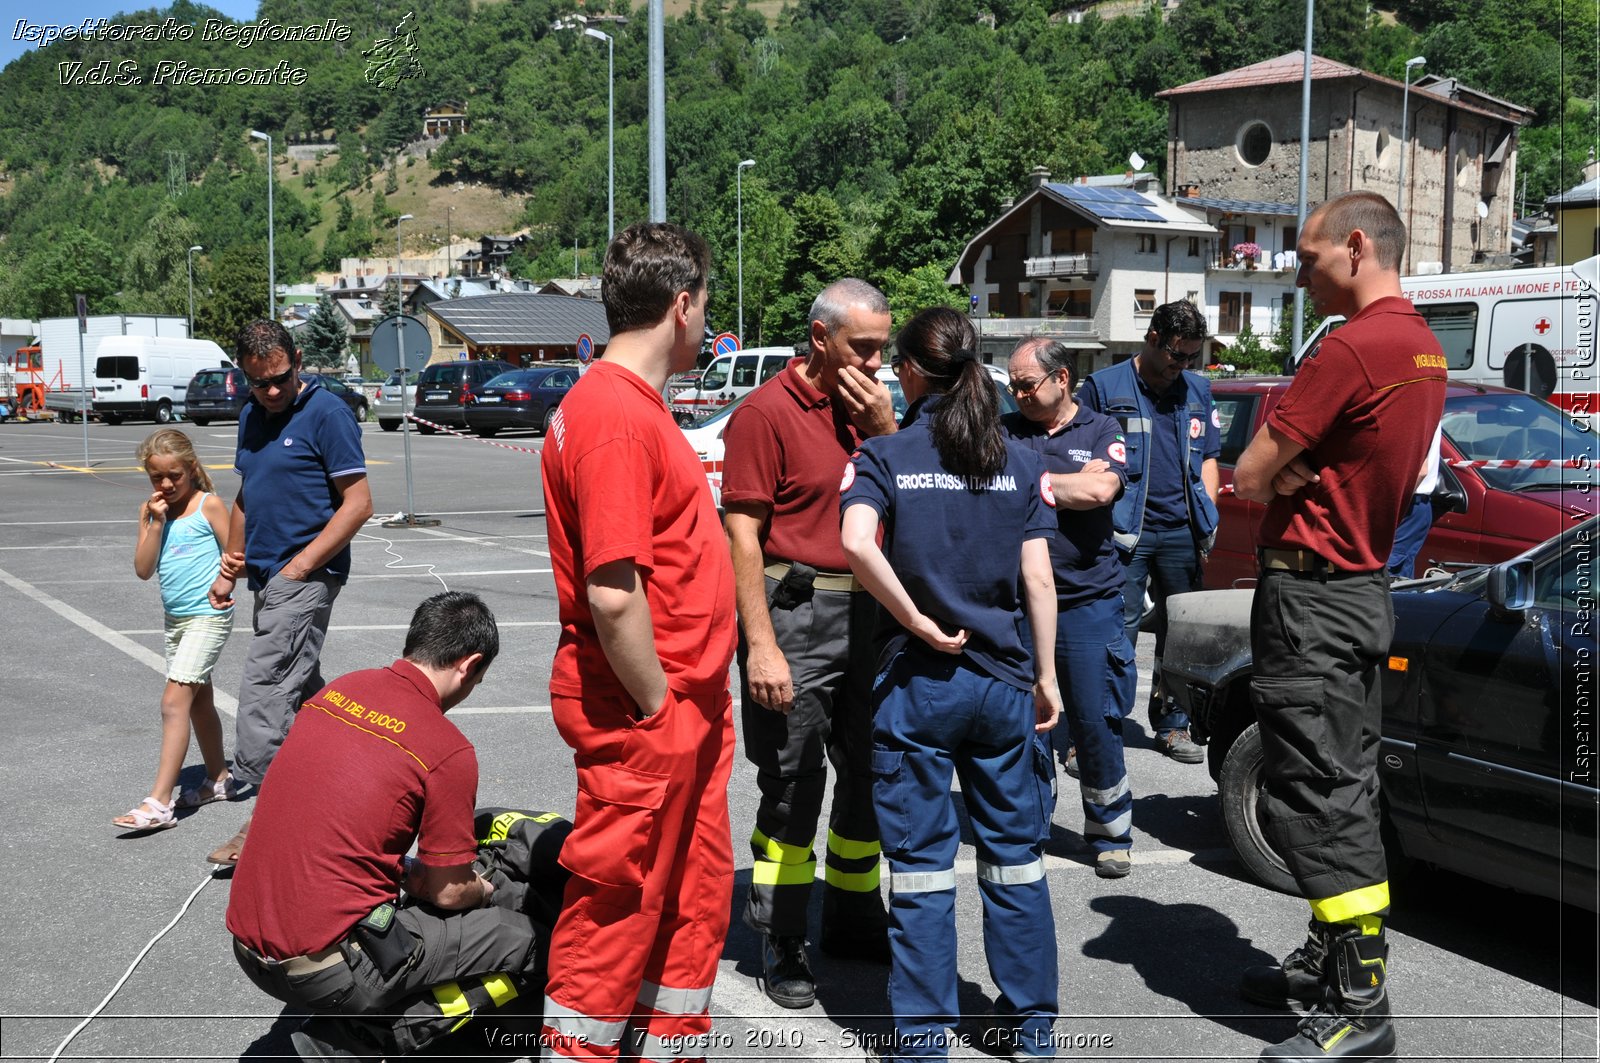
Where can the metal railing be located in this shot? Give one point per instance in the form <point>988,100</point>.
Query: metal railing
<point>1077,327</point>
<point>1087,264</point>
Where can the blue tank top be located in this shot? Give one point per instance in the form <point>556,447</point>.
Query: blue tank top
<point>191,557</point>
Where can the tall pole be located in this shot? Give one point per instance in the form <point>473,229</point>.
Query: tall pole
<point>611,130</point>
<point>738,195</point>
<point>449,245</point>
<point>658,117</point>
<point>405,412</point>
<point>272,262</point>
<point>1297,331</point>
<point>1405,148</point>
<point>190,256</point>
<point>398,290</point>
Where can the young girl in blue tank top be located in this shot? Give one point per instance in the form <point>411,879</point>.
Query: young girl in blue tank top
<point>182,527</point>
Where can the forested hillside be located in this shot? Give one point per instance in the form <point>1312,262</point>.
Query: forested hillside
<point>884,131</point>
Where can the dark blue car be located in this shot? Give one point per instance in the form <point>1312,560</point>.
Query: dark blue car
<point>522,398</point>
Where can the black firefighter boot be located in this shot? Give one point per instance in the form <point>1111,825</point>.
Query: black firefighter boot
<point>1299,979</point>
<point>1353,1020</point>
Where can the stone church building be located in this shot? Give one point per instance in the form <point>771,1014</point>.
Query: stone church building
<point>1237,136</point>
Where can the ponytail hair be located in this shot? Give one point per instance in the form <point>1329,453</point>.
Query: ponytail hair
<point>173,443</point>
<point>938,345</point>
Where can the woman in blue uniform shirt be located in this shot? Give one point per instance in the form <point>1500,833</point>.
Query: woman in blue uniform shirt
<point>966,520</point>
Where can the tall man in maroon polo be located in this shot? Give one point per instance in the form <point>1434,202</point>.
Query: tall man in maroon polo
<point>1336,465</point>
<point>806,655</point>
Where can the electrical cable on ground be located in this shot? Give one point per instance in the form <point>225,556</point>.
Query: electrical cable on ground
<point>399,561</point>
<point>62,1047</point>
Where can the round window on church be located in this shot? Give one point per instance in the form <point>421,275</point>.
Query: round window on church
<point>1255,143</point>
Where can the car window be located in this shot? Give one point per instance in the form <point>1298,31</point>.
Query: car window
<point>505,380</point>
<point>562,380</point>
<point>119,367</point>
<point>744,371</point>
<point>1496,426</point>
<point>1235,412</point>
<point>1563,580</point>
<point>772,365</point>
<point>716,376</point>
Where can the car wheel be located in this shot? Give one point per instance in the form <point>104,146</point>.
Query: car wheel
<point>549,418</point>
<point>200,422</point>
<point>1227,721</point>
<point>487,433</point>
<point>112,419</point>
<point>388,424</point>
<point>361,412</point>
<point>684,420</point>
<point>426,430</point>
<point>164,413</point>
<point>1241,795</point>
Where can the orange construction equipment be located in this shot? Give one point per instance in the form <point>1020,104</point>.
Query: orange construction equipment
<point>27,377</point>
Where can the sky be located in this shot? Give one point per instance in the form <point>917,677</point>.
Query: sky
<point>73,12</point>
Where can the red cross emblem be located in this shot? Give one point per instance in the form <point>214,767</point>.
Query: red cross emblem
<point>1542,326</point>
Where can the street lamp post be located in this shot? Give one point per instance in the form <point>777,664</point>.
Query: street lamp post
<point>611,129</point>
<point>1405,139</point>
<point>272,264</point>
<point>190,256</point>
<point>398,291</point>
<point>738,194</point>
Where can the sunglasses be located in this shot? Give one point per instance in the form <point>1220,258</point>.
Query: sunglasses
<point>270,382</point>
<point>1179,356</point>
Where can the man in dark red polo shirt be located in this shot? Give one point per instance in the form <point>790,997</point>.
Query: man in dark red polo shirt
<point>370,766</point>
<point>639,688</point>
<point>806,656</point>
<point>1336,466</point>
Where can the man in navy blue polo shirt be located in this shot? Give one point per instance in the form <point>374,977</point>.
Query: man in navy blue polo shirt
<point>1166,520</point>
<point>303,496</point>
<point>1083,452</point>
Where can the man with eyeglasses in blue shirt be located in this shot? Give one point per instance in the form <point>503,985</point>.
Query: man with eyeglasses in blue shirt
<point>1166,519</point>
<point>303,495</point>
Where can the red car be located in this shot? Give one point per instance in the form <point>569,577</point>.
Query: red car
<point>1485,514</point>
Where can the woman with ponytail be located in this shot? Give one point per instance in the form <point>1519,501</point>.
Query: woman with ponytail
<point>966,519</point>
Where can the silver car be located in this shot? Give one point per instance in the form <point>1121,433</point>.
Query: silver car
<point>387,408</point>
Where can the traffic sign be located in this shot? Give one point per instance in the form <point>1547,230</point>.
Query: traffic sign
<point>387,340</point>
<point>726,343</point>
<point>585,347</point>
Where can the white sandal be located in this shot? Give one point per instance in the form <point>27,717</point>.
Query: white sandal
<point>148,814</point>
<point>219,789</point>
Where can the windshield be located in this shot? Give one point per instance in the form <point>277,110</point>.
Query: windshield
<point>1497,426</point>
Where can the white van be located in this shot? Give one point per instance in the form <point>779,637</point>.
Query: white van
<point>1529,329</point>
<point>147,377</point>
<point>728,377</point>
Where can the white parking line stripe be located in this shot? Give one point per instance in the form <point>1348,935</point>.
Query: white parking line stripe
<point>367,627</point>
<point>445,575</point>
<point>226,703</point>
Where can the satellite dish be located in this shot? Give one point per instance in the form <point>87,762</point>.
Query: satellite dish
<point>1136,161</point>
<point>1483,209</point>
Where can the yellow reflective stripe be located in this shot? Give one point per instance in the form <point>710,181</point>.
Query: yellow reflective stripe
<point>1345,907</point>
<point>852,850</point>
<point>852,881</point>
<point>781,852</point>
<point>461,1022</point>
<point>450,998</point>
<point>501,825</point>
<point>767,873</point>
<point>1344,1032</point>
<point>500,988</point>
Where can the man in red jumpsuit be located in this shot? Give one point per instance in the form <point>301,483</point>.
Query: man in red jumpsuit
<point>639,688</point>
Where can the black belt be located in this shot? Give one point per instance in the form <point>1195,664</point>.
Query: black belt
<point>309,963</point>
<point>1303,564</point>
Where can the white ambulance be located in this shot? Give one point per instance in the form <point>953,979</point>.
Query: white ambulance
<point>1529,329</point>
<point>728,377</point>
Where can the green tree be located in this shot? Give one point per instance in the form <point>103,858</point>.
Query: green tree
<point>236,293</point>
<point>323,339</point>
<point>1249,355</point>
<point>52,273</point>
<point>918,289</point>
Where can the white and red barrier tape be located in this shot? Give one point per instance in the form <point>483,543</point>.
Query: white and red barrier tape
<point>1524,463</point>
<point>473,438</point>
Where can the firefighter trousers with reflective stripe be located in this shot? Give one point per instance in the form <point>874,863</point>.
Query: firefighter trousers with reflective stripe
<point>1095,673</point>
<point>461,963</point>
<point>1317,647</point>
<point>826,639</point>
<point>936,715</point>
<point>635,952</point>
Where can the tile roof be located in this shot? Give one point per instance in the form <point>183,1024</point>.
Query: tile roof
<point>524,318</point>
<point>1289,68</point>
<point>1283,69</point>
<point>1240,206</point>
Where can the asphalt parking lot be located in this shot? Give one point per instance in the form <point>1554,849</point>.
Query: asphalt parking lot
<point>1149,963</point>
